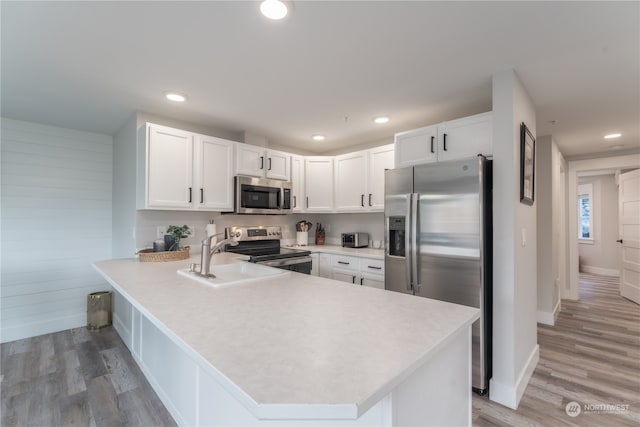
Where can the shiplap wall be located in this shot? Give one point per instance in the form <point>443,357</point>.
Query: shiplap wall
<point>56,221</point>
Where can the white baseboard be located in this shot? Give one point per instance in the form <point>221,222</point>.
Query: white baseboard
<point>510,395</point>
<point>600,271</point>
<point>34,329</point>
<point>548,317</point>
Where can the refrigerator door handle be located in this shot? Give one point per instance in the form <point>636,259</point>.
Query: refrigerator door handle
<point>407,242</point>
<point>415,230</point>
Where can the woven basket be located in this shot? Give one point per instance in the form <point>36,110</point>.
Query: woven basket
<point>148,255</point>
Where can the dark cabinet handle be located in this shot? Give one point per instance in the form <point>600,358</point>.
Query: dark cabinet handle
<point>362,200</point>
<point>361,280</point>
<point>295,202</point>
<point>269,168</point>
<point>189,194</point>
<point>619,241</point>
<point>444,141</point>
<point>261,162</point>
<point>432,138</point>
<point>343,263</point>
<point>307,202</point>
<point>353,279</point>
<point>370,199</point>
<point>375,268</point>
<point>202,195</point>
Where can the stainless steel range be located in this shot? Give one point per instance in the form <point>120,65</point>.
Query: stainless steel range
<point>262,245</point>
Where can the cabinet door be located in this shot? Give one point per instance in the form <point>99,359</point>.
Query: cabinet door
<point>372,281</point>
<point>214,178</point>
<point>318,183</point>
<point>351,182</point>
<point>169,180</point>
<point>380,158</point>
<point>466,137</point>
<point>250,160</point>
<point>278,165</point>
<point>315,264</point>
<point>344,275</point>
<point>325,265</point>
<point>416,147</point>
<point>297,183</point>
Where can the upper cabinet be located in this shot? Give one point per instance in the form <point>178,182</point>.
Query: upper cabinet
<point>257,161</point>
<point>180,170</point>
<point>297,183</point>
<point>318,184</point>
<point>359,179</point>
<point>455,139</point>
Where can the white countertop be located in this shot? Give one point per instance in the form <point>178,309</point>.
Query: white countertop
<point>301,342</point>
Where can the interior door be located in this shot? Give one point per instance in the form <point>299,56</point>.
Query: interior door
<point>629,225</point>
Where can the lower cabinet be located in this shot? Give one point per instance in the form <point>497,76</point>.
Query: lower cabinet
<point>358,271</point>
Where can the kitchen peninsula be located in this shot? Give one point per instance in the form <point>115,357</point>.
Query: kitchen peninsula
<point>292,349</point>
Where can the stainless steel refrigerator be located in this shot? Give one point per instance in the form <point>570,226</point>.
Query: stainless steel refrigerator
<point>438,242</point>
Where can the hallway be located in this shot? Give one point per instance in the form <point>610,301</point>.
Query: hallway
<point>591,356</point>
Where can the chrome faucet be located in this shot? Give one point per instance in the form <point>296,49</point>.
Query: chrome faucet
<point>208,251</point>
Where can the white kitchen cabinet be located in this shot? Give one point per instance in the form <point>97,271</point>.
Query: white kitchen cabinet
<point>168,167</point>
<point>181,170</point>
<point>214,178</point>
<point>455,139</point>
<point>297,183</point>
<point>257,161</point>
<point>359,179</point>
<point>315,264</point>
<point>416,147</point>
<point>351,173</point>
<point>358,271</point>
<point>324,265</point>
<point>380,158</point>
<point>466,137</point>
<point>318,184</point>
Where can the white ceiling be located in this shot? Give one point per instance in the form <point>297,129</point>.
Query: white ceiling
<point>91,65</point>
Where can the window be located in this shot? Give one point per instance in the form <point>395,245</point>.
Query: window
<point>585,213</point>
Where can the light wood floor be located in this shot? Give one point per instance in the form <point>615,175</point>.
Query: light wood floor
<point>591,356</point>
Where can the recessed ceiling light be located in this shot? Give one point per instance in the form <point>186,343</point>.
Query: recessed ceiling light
<point>613,135</point>
<point>273,9</point>
<point>175,96</point>
<point>318,137</point>
<point>381,120</point>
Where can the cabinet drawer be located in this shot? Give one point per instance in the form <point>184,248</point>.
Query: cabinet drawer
<point>345,262</point>
<point>372,266</point>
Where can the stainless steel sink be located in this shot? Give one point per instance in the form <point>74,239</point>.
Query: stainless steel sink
<point>235,274</point>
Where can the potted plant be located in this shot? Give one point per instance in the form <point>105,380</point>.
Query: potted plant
<point>173,236</point>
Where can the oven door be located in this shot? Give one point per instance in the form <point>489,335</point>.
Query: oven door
<point>262,196</point>
<point>299,264</point>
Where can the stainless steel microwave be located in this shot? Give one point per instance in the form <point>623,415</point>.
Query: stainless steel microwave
<point>262,196</point>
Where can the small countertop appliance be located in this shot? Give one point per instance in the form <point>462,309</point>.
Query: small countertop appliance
<point>355,240</point>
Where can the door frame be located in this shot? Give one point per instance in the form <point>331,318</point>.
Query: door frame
<point>571,290</point>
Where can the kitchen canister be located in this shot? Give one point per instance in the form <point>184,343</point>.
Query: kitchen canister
<point>98,310</point>
<point>302,238</point>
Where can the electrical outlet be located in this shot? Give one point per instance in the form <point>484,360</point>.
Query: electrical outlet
<point>161,230</point>
<point>192,230</point>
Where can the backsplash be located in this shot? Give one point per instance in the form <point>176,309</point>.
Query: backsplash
<point>335,224</point>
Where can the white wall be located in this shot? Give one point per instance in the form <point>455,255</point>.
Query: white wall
<point>56,221</point>
<point>601,255</point>
<point>551,237</point>
<point>515,349</point>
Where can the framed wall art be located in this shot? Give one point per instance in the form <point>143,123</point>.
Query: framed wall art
<point>527,165</point>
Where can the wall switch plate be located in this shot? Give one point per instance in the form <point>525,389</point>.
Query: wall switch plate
<point>161,230</point>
